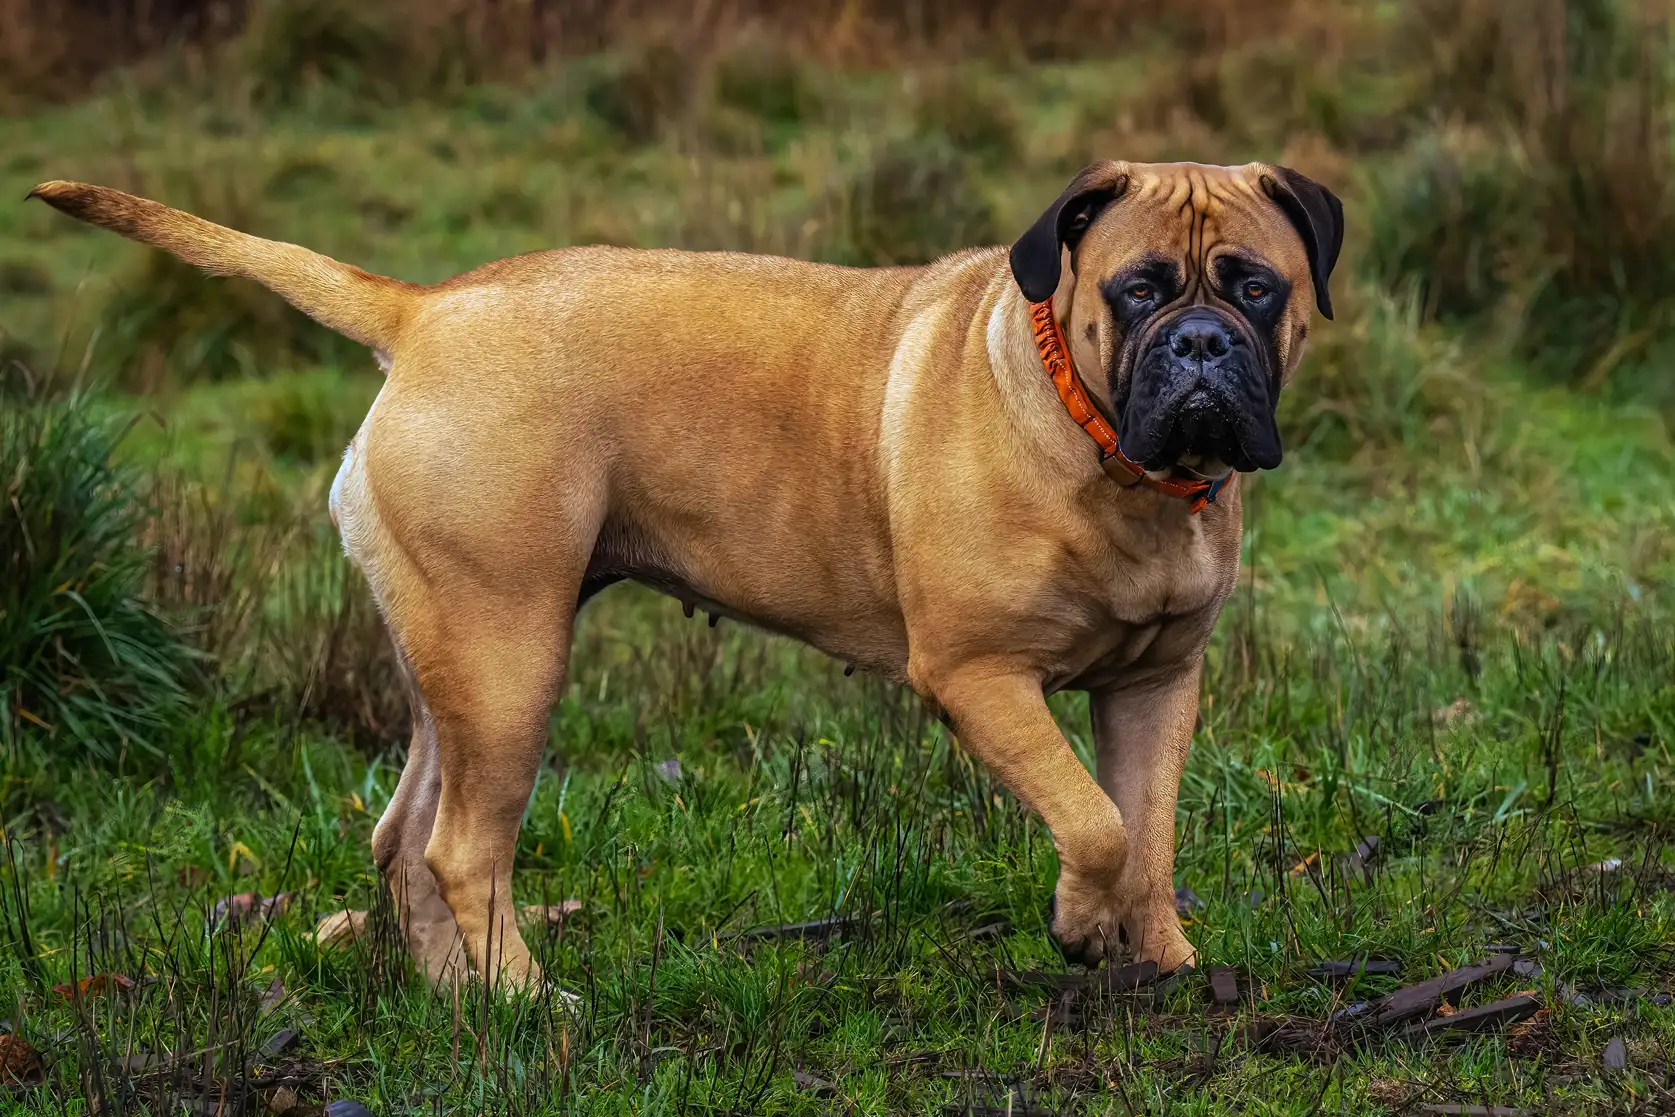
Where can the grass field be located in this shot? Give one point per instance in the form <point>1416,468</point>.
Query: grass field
<point>1452,633</point>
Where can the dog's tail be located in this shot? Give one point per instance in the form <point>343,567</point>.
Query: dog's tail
<point>369,308</point>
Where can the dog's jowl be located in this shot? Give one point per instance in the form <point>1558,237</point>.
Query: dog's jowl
<point>999,475</point>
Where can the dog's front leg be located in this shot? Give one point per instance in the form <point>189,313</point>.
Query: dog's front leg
<point>1143,732</point>
<point>1001,715</point>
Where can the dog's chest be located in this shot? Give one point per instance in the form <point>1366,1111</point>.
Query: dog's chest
<point>1147,604</point>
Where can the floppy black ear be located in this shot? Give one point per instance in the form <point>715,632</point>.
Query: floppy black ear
<point>1035,255</point>
<point>1318,217</point>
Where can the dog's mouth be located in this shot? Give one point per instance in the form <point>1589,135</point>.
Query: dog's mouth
<point>1202,408</point>
<point>1198,426</point>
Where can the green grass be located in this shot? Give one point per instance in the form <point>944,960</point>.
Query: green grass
<point>1450,530</point>
<point>803,794</point>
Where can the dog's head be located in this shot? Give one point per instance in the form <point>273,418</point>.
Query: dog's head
<point>1192,289</point>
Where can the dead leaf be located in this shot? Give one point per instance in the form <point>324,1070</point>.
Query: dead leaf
<point>95,986</point>
<point>1529,1037</point>
<point>20,1064</point>
<point>339,929</point>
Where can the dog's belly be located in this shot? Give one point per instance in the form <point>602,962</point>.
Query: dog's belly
<point>798,592</point>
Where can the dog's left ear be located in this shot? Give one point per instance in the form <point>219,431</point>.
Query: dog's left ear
<point>1318,217</point>
<point>1036,254</point>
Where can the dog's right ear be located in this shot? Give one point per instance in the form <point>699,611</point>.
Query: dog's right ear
<point>1035,255</point>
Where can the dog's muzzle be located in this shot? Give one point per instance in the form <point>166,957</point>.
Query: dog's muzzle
<point>1200,387</point>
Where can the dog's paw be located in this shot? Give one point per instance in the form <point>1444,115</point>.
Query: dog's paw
<point>1088,932</point>
<point>1085,931</point>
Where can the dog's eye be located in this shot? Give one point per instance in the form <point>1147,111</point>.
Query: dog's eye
<point>1140,292</point>
<point>1255,290</point>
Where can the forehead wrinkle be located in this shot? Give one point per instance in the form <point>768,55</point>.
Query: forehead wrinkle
<point>1202,201</point>
<point>1202,206</point>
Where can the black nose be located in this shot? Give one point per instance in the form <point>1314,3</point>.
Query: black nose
<point>1200,337</point>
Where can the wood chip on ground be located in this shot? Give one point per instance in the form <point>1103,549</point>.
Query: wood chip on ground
<point>1509,1010</point>
<point>1416,1000</point>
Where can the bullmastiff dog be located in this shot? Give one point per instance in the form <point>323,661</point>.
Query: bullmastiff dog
<point>996,476</point>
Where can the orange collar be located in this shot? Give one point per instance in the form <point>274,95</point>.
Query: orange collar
<point>1055,354</point>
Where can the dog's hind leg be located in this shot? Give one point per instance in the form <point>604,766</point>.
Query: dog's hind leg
<point>478,571</point>
<point>403,831</point>
<point>398,847</point>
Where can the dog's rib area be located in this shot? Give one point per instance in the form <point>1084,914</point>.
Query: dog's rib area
<point>622,554</point>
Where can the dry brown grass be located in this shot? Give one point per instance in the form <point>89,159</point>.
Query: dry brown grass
<point>56,48</point>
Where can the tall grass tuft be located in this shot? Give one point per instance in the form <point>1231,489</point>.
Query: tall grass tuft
<point>292,45</point>
<point>85,662</point>
<point>1551,193</point>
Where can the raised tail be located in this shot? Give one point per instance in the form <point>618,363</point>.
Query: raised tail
<point>368,308</point>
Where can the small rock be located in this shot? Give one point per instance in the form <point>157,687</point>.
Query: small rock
<point>248,907</point>
<point>1187,901</point>
<point>1609,865</point>
<point>282,1100</point>
<point>279,1043</point>
<point>1616,1055</point>
<point>1224,985</point>
<point>270,999</point>
<point>1366,853</point>
<point>550,914</point>
<point>340,928</point>
<point>347,1109</point>
<point>812,1083</point>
